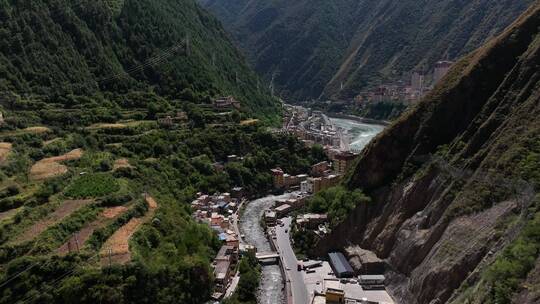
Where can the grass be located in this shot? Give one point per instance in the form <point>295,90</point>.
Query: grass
<point>92,185</point>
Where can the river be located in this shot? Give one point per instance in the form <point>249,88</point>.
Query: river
<point>271,288</point>
<point>361,133</point>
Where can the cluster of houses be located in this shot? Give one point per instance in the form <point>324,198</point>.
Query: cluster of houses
<point>418,85</point>
<point>218,211</point>
<point>322,176</point>
<point>172,120</point>
<point>226,103</point>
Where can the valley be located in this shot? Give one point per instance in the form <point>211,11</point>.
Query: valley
<point>275,152</point>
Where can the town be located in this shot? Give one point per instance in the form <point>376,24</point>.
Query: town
<point>328,280</point>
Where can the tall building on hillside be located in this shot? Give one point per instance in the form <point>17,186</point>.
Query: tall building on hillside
<point>441,69</point>
<point>278,176</point>
<point>343,161</point>
<point>417,81</point>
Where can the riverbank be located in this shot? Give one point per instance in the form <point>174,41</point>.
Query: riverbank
<point>365,120</point>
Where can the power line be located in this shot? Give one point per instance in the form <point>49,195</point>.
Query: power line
<point>57,282</point>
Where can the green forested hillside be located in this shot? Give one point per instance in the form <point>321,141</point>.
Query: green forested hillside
<point>171,48</point>
<point>311,47</point>
<point>89,163</point>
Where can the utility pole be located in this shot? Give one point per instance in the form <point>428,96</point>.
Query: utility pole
<point>77,241</point>
<point>110,257</point>
<point>272,84</point>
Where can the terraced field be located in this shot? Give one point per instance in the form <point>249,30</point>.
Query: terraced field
<point>63,211</point>
<point>116,249</point>
<point>52,167</point>
<point>78,239</point>
<point>5,149</point>
<point>29,130</point>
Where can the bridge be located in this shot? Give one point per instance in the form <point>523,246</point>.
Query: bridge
<point>267,258</point>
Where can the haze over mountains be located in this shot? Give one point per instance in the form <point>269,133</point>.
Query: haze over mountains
<point>312,48</point>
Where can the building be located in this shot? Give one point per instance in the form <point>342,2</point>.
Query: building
<point>330,181</point>
<point>441,69</point>
<point>340,265</point>
<point>270,218</point>
<point>226,103</point>
<point>222,274</point>
<point>283,210</point>
<point>376,279</point>
<point>343,161</point>
<point>306,186</point>
<point>316,184</point>
<point>311,220</point>
<point>334,292</point>
<point>245,249</point>
<point>172,120</point>
<point>320,169</point>
<point>417,81</point>
<point>237,192</point>
<point>278,178</point>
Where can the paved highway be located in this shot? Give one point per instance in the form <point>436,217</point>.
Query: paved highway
<point>298,286</point>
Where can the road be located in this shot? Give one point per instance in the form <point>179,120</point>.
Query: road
<point>298,286</point>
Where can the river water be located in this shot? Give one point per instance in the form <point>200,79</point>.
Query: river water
<point>361,133</point>
<point>271,288</point>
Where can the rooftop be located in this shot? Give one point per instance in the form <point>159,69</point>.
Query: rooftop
<point>340,263</point>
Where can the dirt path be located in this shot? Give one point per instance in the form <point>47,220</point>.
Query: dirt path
<point>117,246</point>
<point>79,238</point>
<point>51,167</point>
<point>66,209</point>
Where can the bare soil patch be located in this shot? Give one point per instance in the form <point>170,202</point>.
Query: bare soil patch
<point>99,126</point>
<point>51,167</point>
<point>5,149</point>
<point>8,214</point>
<point>48,142</point>
<point>77,240</point>
<point>116,248</point>
<point>121,163</point>
<point>30,130</point>
<point>64,210</point>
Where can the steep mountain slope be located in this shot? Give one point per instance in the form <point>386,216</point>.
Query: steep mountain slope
<point>455,214</point>
<point>83,47</point>
<point>107,134</point>
<point>312,47</point>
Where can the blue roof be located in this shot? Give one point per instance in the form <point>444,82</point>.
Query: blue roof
<point>222,204</point>
<point>222,236</point>
<point>340,264</point>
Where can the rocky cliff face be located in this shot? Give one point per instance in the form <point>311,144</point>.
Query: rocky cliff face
<point>453,180</point>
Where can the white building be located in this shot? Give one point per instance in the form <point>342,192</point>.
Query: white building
<point>306,186</point>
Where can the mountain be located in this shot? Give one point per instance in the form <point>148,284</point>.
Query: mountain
<point>107,134</point>
<point>455,213</point>
<point>311,48</point>
<point>83,47</point>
